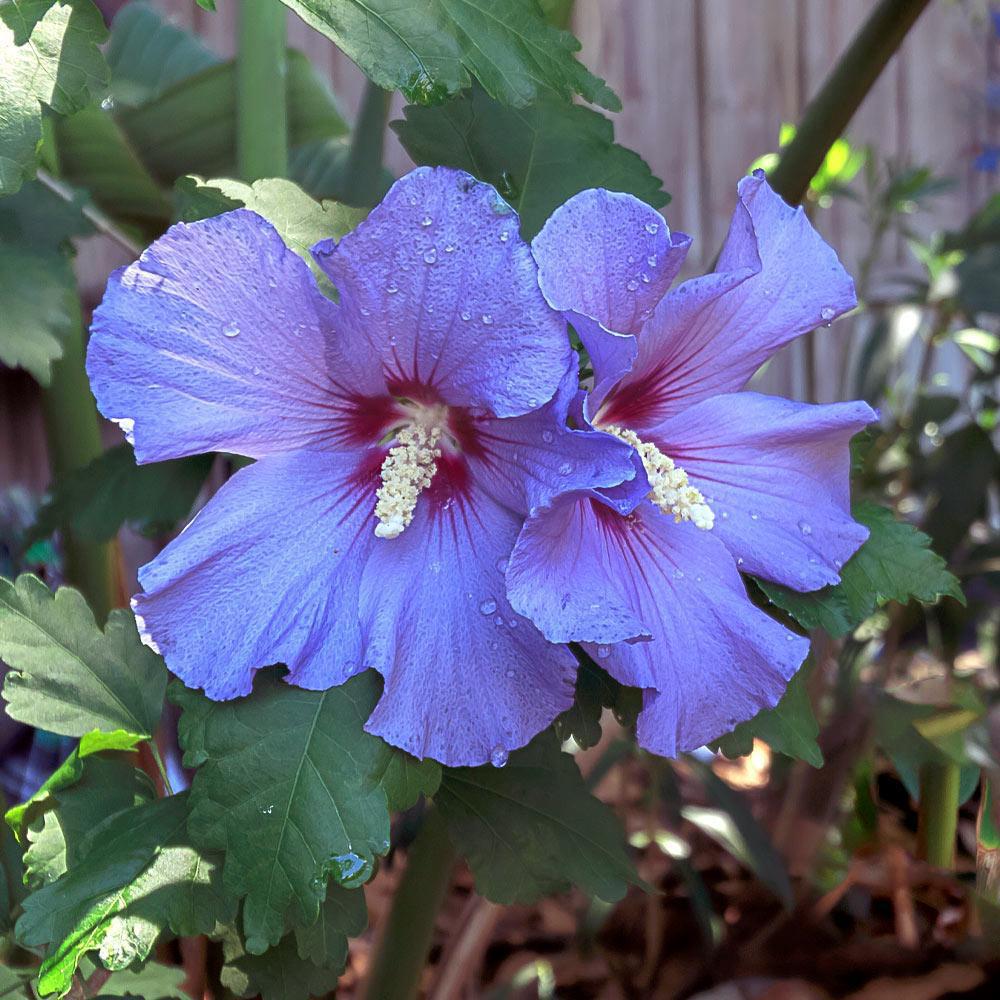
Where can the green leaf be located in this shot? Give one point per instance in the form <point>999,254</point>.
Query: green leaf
<point>49,56</point>
<point>11,885</point>
<point>40,308</point>
<point>789,728</point>
<point>595,691</point>
<point>95,501</point>
<point>191,128</point>
<point>434,49</point>
<point>531,827</point>
<point>895,564</point>
<point>69,677</point>
<point>536,157</point>
<point>342,915</point>
<point>38,218</point>
<point>288,786</point>
<point>68,773</point>
<point>278,974</point>
<point>14,983</point>
<point>147,54</point>
<point>94,154</point>
<point>733,826</point>
<point>138,877</point>
<point>301,221</point>
<point>320,167</point>
<point>59,825</point>
<point>153,981</point>
<point>405,778</point>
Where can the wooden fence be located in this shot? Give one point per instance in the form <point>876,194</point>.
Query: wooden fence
<point>705,84</point>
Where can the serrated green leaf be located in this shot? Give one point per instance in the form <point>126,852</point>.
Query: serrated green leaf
<point>301,220</point>
<point>435,49</point>
<point>147,54</point>
<point>69,677</point>
<point>342,915</point>
<point>154,981</point>
<point>49,56</point>
<point>321,168</point>
<point>112,491</point>
<point>536,157</point>
<point>40,308</point>
<point>895,564</point>
<point>59,825</point>
<point>138,877</point>
<point>278,974</point>
<point>288,787</point>
<point>191,127</point>
<point>789,728</point>
<point>38,218</point>
<point>405,778</point>
<point>68,773</point>
<point>11,886</point>
<point>531,827</point>
<point>595,691</point>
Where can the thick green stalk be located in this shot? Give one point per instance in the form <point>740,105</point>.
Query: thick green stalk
<point>938,820</point>
<point>845,88</point>
<point>402,950</point>
<point>74,440</point>
<point>363,173</point>
<point>261,99</point>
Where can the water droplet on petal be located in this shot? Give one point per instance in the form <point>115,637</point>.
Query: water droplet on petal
<point>430,256</point>
<point>603,652</point>
<point>548,437</point>
<point>805,528</point>
<point>651,260</point>
<point>678,574</point>
<point>231,330</point>
<point>789,637</point>
<point>449,248</point>
<point>256,369</point>
<point>504,236</point>
<point>426,221</point>
<point>754,516</point>
<point>652,228</point>
<point>487,319</point>
<point>511,672</point>
<point>466,316</point>
<point>632,284</point>
<point>501,565</point>
<point>826,314</point>
<point>740,561</point>
<point>565,469</point>
<point>488,606</point>
<point>391,289</point>
<point>497,621</point>
<point>498,756</point>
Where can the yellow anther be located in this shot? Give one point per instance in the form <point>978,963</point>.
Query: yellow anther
<point>669,487</point>
<point>406,470</point>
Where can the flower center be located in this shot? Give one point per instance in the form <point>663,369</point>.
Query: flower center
<point>669,488</point>
<point>407,470</point>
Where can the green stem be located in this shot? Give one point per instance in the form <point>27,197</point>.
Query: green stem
<point>261,101</point>
<point>363,173</point>
<point>402,951</point>
<point>938,820</point>
<point>74,440</point>
<point>161,767</point>
<point>845,88</point>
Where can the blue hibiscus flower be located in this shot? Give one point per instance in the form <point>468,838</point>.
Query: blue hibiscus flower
<point>648,574</point>
<point>401,436</point>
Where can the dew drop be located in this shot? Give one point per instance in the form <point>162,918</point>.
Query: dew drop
<point>724,515</point>
<point>565,469</point>
<point>645,278</point>
<point>548,437</point>
<point>231,330</point>
<point>754,516</point>
<point>391,289</point>
<point>449,248</point>
<point>632,284</point>
<point>256,369</point>
<point>488,606</point>
<point>826,314</point>
<point>740,561</point>
<point>651,260</point>
<point>487,319</point>
<point>498,756</point>
<point>678,574</point>
<point>789,637</point>
<point>504,236</point>
<point>652,228</point>
<point>805,528</point>
<point>430,256</point>
<point>510,672</point>
<point>426,221</point>
<point>466,316</point>
<point>497,621</point>
<point>603,652</point>
<point>501,565</point>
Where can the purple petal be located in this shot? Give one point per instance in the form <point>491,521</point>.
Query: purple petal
<point>776,279</point>
<point>714,659</point>
<point>562,574</point>
<point>268,572</point>
<point>609,257</point>
<point>523,462</point>
<point>216,338</point>
<point>466,679</point>
<point>777,475</point>
<point>438,279</point>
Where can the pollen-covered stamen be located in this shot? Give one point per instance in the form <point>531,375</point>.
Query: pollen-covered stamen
<point>669,488</point>
<point>406,470</point>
